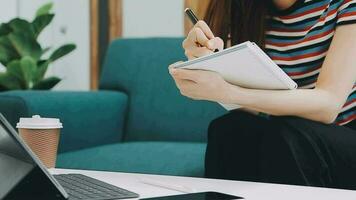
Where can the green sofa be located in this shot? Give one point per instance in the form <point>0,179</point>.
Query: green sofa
<point>136,122</point>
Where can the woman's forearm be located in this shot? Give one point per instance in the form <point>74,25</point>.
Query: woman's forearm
<point>334,85</point>
<point>314,104</point>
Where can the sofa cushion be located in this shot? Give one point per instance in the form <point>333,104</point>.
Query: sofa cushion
<point>89,118</point>
<point>166,158</point>
<point>157,111</point>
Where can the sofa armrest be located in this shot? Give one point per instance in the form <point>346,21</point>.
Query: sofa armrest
<point>89,118</point>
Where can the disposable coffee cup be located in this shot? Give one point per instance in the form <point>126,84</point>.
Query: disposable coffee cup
<point>42,136</point>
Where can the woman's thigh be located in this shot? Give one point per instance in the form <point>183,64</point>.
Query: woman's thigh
<point>233,146</point>
<point>237,126</point>
<point>324,154</point>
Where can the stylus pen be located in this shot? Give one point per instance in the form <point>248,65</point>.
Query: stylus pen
<point>194,19</point>
<point>168,186</point>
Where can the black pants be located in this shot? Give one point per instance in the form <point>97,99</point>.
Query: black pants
<point>286,150</point>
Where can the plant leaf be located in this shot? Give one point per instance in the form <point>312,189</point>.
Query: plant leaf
<point>46,84</point>
<point>8,82</point>
<point>25,45</point>
<point>7,51</point>
<point>42,67</point>
<point>5,29</point>
<point>23,70</point>
<point>45,9</point>
<point>45,50</point>
<point>29,69</point>
<point>21,26</point>
<point>62,51</point>
<point>14,69</point>
<point>40,23</point>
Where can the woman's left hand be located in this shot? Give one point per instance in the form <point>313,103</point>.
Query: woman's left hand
<point>202,85</point>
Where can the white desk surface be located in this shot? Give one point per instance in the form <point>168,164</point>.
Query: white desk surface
<point>248,190</point>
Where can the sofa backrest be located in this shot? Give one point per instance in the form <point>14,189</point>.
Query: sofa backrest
<point>156,111</point>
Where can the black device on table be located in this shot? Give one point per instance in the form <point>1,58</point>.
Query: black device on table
<point>23,176</point>
<point>198,196</point>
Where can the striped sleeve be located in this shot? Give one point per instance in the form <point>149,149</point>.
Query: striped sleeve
<point>347,12</point>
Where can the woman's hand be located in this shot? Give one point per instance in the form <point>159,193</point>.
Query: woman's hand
<point>201,41</point>
<point>202,85</point>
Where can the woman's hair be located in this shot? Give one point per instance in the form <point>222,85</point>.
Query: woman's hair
<point>238,20</point>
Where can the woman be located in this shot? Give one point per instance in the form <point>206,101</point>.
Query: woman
<point>309,137</point>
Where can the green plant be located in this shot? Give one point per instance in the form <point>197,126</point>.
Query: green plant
<point>23,56</point>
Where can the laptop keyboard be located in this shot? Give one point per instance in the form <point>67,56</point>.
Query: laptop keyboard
<point>81,187</point>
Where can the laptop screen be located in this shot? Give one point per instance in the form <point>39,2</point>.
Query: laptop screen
<point>20,174</point>
<point>13,163</point>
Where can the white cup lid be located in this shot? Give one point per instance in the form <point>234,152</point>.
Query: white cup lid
<point>36,122</point>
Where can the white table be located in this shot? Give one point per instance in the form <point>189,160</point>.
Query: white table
<point>248,190</point>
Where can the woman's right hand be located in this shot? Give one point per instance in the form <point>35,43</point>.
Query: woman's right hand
<point>201,41</point>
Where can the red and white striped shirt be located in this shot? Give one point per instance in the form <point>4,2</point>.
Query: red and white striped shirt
<point>298,40</point>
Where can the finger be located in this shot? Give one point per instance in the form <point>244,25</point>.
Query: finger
<point>215,43</point>
<point>198,52</point>
<point>172,71</point>
<point>192,75</point>
<point>171,66</point>
<point>205,28</point>
<point>187,43</point>
<point>196,35</point>
<point>189,55</point>
<point>182,83</point>
<point>185,86</point>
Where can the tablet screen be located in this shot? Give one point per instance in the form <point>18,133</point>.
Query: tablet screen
<point>21,176</point>
<point>199,196</point>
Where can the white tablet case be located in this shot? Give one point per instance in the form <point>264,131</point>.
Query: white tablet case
<point>244,65</point>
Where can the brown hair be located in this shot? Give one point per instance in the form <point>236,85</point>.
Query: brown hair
<point>243,20</point>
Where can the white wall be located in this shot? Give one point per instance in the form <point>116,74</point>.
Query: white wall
<point>71,24</point>
<point>8,9</point>
<point>153,18</point>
